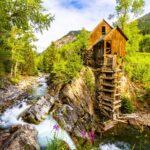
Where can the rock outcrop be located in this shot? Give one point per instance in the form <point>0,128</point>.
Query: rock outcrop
<point>139,119</point>
<point>14,93</point>
<point>70,37</point>
<point>74,110</point>
<point>19,138</point>
<point>37,112</point>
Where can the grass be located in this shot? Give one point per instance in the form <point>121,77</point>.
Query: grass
<point>138,68</point>
<point>89,79</point>
<point>57,144</point>
<point>126,105</point>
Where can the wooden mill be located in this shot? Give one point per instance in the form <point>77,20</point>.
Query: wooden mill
<point>105,55</point>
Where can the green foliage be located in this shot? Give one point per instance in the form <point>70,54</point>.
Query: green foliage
<point>146,95</point>
<point>56,144</point>
<point>19,19</point>
<point>39,62</point>
<point>22,52</point>
<point>145,43</point>
<point>49,57</point>
<point>138,67</point>
<point>89,79</point>
<point>127,8</point>
<point>65,63</point>
<point>24,14</point>
<point>14,80</point>
<point>126,105</point>
<point>86,145</point>
<point>67,66</point>
<point>133,34</point>
<point>82,42</point>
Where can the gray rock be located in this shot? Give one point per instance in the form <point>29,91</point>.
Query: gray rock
<point>37,112</point>
<point>75,112</point>
<point>19,138</point>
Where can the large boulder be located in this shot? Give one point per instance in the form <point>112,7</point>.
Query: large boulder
<point>37,112</point>
<point>19,138</point>
<point>74,110</point>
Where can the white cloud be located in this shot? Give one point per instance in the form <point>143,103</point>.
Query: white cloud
<point>67,19</point>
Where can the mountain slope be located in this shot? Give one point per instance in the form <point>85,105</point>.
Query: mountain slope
<point>70,37</point>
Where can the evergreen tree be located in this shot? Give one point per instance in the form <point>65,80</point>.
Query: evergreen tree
<point>49,58</point>
<point>65,63</point>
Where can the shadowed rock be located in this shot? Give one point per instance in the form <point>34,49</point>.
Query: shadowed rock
<point>37,112</point>
<point>74,110</point>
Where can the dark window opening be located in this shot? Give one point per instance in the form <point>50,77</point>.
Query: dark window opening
<point>103,30</point>
<point>108,47</point>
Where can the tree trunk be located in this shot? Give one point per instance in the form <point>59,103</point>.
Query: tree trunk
<point>15,69</point>
<point>12,70</point>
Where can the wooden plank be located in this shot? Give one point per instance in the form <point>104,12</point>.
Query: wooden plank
<point>108,78</point>
<point>110,85</point>
<point>116,102</point>
<point>107,90</point>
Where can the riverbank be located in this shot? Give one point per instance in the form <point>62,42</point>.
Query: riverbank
<point>12,93</point>
<point>15,128</point>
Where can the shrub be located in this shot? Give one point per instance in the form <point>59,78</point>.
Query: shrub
<point>145,44</point>
<point>89,79</point>
<point>65,62</point>
<point>138,67</point>
<point>66,67</point>
<point>56,144</point>
<point>14,80</point>
<point>126,105</point>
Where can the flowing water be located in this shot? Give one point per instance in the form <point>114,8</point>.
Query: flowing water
<point>125,137</point>
<point>45,129</point>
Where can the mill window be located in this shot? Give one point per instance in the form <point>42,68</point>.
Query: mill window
<point>108,47</point>
<point>103,30</point>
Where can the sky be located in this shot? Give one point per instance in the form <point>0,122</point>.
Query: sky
<point>74,15</point>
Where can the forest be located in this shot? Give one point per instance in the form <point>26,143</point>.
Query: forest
<point>61,65</point>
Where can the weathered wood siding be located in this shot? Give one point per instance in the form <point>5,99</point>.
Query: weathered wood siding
<point>97,32</point>
<point>118,42</point>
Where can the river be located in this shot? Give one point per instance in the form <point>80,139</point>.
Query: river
<point>45,129</point>
<point>125,137</point>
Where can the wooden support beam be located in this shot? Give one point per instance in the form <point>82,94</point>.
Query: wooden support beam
<point>108,78</point>
<point>107,90</point>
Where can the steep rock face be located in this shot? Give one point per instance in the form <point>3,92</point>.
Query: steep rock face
<point>37,112</point>
<point>74,110</point>
<point>19,138</point>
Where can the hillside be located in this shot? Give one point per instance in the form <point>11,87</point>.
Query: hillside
<point>70,37</point>
<point>144,24</point>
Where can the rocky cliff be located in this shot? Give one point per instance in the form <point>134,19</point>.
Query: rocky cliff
<point>74,108</point>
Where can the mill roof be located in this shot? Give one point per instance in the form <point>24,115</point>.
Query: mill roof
<point>104,36</point>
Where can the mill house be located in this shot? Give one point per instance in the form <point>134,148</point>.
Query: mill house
<point>105,54</point>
